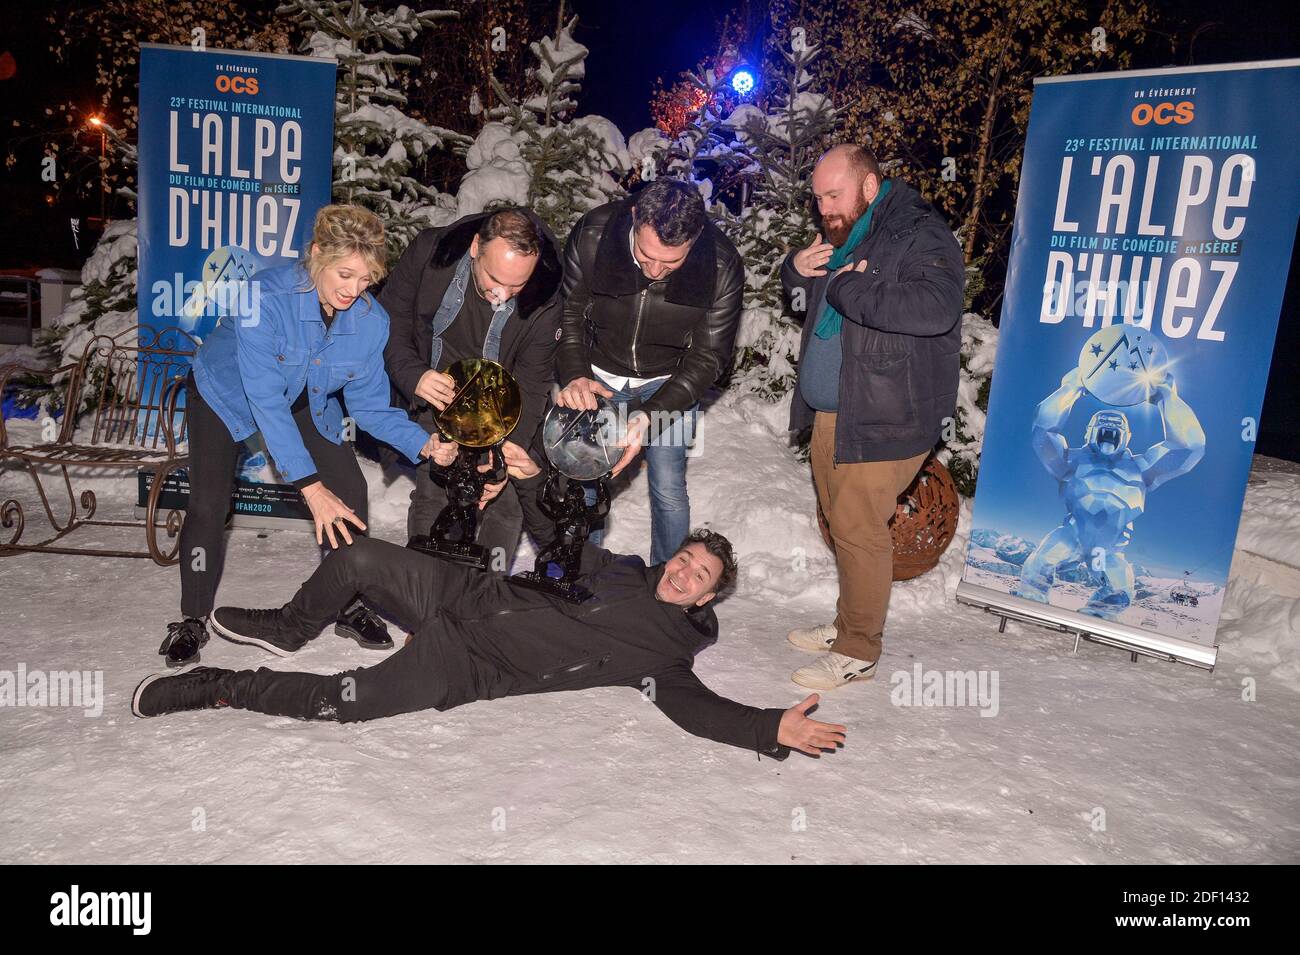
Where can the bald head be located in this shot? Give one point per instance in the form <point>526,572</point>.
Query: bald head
<point>845,180</point>
<point>856,160</point>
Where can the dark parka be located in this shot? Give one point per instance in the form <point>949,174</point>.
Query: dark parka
<point>497,639</point>
<point>683,326</point>
<point>414,291</point>
<point>901,336</point>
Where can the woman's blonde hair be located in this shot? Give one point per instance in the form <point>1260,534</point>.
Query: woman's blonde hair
<point>343,230</point>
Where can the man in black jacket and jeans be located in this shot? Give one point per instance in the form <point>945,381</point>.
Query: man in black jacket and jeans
<point>878,370</point>
<point>652,294</point>
<point>486,286</point>
<point>481,636</point>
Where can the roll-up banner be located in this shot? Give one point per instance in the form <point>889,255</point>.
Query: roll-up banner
<point>1152,239</point>
<point>235,159</point>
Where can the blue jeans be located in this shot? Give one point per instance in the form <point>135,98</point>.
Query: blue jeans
<point>665,454</point>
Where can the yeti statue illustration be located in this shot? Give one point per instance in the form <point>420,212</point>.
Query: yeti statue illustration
<point>1105,487</point>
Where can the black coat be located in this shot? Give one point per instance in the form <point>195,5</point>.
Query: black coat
<point>497,639</point>
<point>684,326</point>
<point>901,336</point>
<point>414,291</point>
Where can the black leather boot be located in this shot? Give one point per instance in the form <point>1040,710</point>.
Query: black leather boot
<point>183,641</point>
<point>358,622</point>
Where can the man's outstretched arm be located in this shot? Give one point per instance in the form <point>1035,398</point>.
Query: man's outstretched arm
<point>685,700</point>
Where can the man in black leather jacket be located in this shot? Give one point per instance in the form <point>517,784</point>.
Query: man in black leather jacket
<point>482,636</point>
<point>652,294</point>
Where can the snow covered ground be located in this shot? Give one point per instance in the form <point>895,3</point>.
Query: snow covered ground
<point>1086,758</point>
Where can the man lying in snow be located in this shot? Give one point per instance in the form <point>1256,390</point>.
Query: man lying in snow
<point>479,636</point>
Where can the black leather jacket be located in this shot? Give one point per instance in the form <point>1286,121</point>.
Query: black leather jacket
<point>683,326</point>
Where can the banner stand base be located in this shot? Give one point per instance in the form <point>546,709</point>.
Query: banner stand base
<point>1108,633</point>
<point>1002,628</point>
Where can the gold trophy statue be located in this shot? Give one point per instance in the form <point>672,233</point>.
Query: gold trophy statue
<point>480,416</point>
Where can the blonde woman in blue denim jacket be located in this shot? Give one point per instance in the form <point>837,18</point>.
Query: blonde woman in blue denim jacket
<point>307,335</point>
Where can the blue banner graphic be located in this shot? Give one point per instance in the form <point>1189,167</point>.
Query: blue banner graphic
<point>235,159</point>
<point>1152,240</point>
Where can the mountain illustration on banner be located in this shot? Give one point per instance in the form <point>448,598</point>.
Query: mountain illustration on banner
<point>221,289</point>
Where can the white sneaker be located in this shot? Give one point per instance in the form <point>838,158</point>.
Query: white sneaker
<point>815,639</point>
<point>832,671</point>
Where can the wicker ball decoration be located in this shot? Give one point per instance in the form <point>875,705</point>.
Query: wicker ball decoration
<point>923,523</point>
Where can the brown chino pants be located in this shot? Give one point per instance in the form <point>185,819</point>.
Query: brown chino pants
<point>858,501</point>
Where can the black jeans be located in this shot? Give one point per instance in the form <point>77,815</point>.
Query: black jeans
<point>213,453</point>
<point>427,673</point>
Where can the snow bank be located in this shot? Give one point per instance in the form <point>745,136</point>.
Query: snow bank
<point>1270,517</point>
<point>1259,631</point>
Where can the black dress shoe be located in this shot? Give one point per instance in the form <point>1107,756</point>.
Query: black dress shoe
<point>358,622</point>
<point>183,641</point>
<point>198,689</point>
<point>259,628</point>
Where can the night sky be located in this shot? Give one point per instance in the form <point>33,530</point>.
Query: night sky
<point>633,44</point>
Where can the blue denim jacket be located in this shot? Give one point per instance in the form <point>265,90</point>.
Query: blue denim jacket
<point>255,363</point>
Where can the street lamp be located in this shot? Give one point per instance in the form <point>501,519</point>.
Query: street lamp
<point>97,122</point>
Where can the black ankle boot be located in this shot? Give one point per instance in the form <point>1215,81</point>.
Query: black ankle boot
<point>183,641</point>
<point>358,622</point>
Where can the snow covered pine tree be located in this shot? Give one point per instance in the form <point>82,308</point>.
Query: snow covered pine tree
<point>783,145</point>
<point>535,153</point>
<point>376,143</point>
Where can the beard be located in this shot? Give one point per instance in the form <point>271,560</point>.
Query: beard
<point>836,229</point>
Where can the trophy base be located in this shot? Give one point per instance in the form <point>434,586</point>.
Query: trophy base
<point>552,585</point>
<point>472,555</point>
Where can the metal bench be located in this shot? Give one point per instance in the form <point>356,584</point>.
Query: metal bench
<point>130,382</point>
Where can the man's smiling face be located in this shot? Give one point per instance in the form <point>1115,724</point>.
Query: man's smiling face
<point>690,577</point>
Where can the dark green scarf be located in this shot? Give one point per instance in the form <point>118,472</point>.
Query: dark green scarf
<point>831,320</point>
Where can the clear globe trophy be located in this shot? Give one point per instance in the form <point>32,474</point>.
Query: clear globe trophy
<point>482,412</point>
<point>581,449</point>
